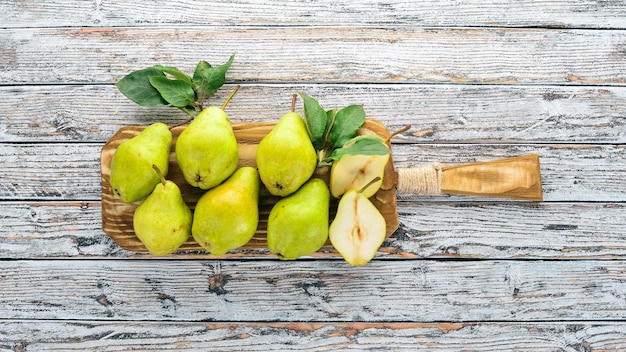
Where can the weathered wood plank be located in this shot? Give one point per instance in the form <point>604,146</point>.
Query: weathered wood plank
<point>437,113</point>
<point>569,172</point>
<point>50,171</point>
<point>155,336</point>
<point>522,230</point>
<point>326,54</point>
<point>552,13</point>
<point>474,85</point>
<point>427,230</point>
<point>313,291</point>
<point>31,230</point>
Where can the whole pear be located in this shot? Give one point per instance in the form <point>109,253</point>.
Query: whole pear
<point>355,172</point>
<point>358,229</point>
<point>285,157</point>
<point>226,217</point>
<point>206,150</point>
<point>132,175</point>
<point>298,224</point>
<point>162,222</point>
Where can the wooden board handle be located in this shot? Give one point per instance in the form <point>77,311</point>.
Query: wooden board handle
<point>514,178</point>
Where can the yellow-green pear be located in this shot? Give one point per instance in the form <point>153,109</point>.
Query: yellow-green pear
<point>132,175</point>
<point>162,222</point>
<point>355,172</point>
<point>206,150</point>
<point>226,217</point>
<point>285,157</point>
<point>358,229</point>
<point>298,224</point>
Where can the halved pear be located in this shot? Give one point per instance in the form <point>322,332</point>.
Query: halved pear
<point>354,172</point>
<point>358,229</point>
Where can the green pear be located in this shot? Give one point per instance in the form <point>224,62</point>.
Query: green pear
<point>285,157</point>
<point>226,217</point>
<point>132,175</point>
<point>298,224</point>
<point>207,150</point>
<point>358,229</point>
<point>162,222</point>
<point>356,171</point>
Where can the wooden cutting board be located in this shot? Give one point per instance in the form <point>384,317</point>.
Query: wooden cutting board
<point>117,216</point>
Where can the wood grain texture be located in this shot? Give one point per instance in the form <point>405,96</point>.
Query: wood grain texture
<point>516,177</point>
<point>485,230</point>
<point>552,13</point>
<point>313,291</point>
<point>437,113</point>
<point>51,171</point>
<point>224,337</point>
<point>326,54</point>
<point>477,80</point>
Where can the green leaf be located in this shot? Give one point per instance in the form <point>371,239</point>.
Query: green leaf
<point>209,79</point>
<point>136,87</point>
<point>347,123</point>
<point>189,110</point>
<point>330,121</point>
<point>176,73</point>
<point>315,118</point>
<point>202,85</point>
<point>176,92</point>
<point>362,145</point>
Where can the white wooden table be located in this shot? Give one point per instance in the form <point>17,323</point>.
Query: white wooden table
<point>477,80</point>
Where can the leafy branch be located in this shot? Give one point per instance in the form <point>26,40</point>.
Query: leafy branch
<point>334,132</point>
<point>167,85</point>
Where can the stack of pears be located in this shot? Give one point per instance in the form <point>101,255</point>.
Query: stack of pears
<point>226,216</point>
<point>298,223</point>
<point>162,221</point>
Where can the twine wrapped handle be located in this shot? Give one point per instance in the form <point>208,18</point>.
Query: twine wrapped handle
<point>514,178</point>
<point>421,180</point>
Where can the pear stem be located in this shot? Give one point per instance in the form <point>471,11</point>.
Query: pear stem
<point>294,97</point>
<point>230,96</point>
<point>156,168</point>
<point>321,155</point>
<point>198,104</point>
<point>188,120</point>
<point>403,129</point>
<point>374,180</point>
